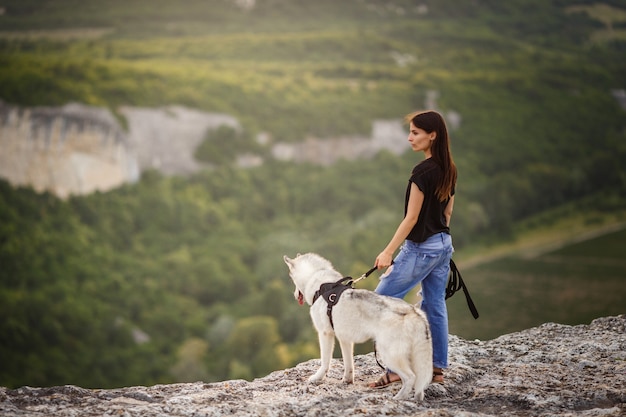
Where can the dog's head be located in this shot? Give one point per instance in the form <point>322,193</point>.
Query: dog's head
<point>301,270</point>
<point>292,264</point>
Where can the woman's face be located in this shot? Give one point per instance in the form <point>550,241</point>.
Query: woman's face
<point>420,140</point>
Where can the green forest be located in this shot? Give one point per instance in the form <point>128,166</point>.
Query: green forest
<point>181,278</point>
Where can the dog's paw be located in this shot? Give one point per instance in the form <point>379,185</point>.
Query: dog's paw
<point>400,396</point>
<point>419,396</point>
<point>316,379</point>
<point>348,376</point>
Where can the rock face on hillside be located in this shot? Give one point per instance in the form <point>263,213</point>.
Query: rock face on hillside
<point>77,149</point>
<point>66,150</point>
<point>389,135</point>
<point>165,138</point>
<point>553,369</point>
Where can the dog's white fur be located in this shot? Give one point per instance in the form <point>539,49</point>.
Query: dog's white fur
<point>400,330</point>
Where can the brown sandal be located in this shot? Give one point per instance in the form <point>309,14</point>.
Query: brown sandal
<point>384,381</point>
<point>437,376</point>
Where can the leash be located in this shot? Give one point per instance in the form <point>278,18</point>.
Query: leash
<point>455,283</point>
<point>367,274</point>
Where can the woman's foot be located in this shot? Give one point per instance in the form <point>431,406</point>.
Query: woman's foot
<point>437,376</point>
<point>385,380</point>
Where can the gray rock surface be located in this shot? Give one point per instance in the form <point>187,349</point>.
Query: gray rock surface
<point>553,369</point>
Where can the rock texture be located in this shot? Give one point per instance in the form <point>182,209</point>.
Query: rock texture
<point>389,135</point>
<point>553,369</point>
<point>165,138</point>
<point>73,149</point>
<point>77,149</point>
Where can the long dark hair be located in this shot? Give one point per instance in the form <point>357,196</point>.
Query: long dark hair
<point>431,121</point>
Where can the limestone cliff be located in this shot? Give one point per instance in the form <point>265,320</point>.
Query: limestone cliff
<point>72,149</point>
<point>552,369</point>
<point>78,149</point>
<point>166,138</point>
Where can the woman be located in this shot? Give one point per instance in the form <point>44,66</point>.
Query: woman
<point>424,234</point>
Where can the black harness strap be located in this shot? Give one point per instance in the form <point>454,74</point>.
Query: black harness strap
<point>455,283</point>
<point>331,292</point>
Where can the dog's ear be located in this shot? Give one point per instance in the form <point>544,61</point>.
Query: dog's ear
<point>288,261</point>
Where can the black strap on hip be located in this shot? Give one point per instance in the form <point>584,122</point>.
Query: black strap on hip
<point>455,283</point>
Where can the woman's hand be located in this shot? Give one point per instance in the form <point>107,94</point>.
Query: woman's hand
<point>383,260</point>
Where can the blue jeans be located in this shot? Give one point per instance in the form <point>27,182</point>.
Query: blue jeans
<point>427,263</point>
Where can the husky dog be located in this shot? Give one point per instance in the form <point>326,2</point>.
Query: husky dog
<point>400,330</point>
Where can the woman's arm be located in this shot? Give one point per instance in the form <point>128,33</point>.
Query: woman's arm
<point>448,211</point>
<point>416,199</point>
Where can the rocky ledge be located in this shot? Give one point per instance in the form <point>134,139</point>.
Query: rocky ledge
<point>552,369</point>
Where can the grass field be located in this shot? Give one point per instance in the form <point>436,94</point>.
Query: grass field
<point>611,17</point>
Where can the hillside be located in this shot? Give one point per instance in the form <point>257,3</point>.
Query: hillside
<point>524,86</point>
<point>177,278</point>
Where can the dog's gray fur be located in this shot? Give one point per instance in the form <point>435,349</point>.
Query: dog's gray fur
<point>400,330</point>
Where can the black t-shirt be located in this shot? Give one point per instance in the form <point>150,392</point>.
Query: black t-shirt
<point>431,219</point>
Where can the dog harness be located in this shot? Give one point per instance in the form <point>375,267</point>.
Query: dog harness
<point>331,292</point>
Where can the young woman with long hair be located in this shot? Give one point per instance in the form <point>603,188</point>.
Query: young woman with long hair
<point>424,235</point>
